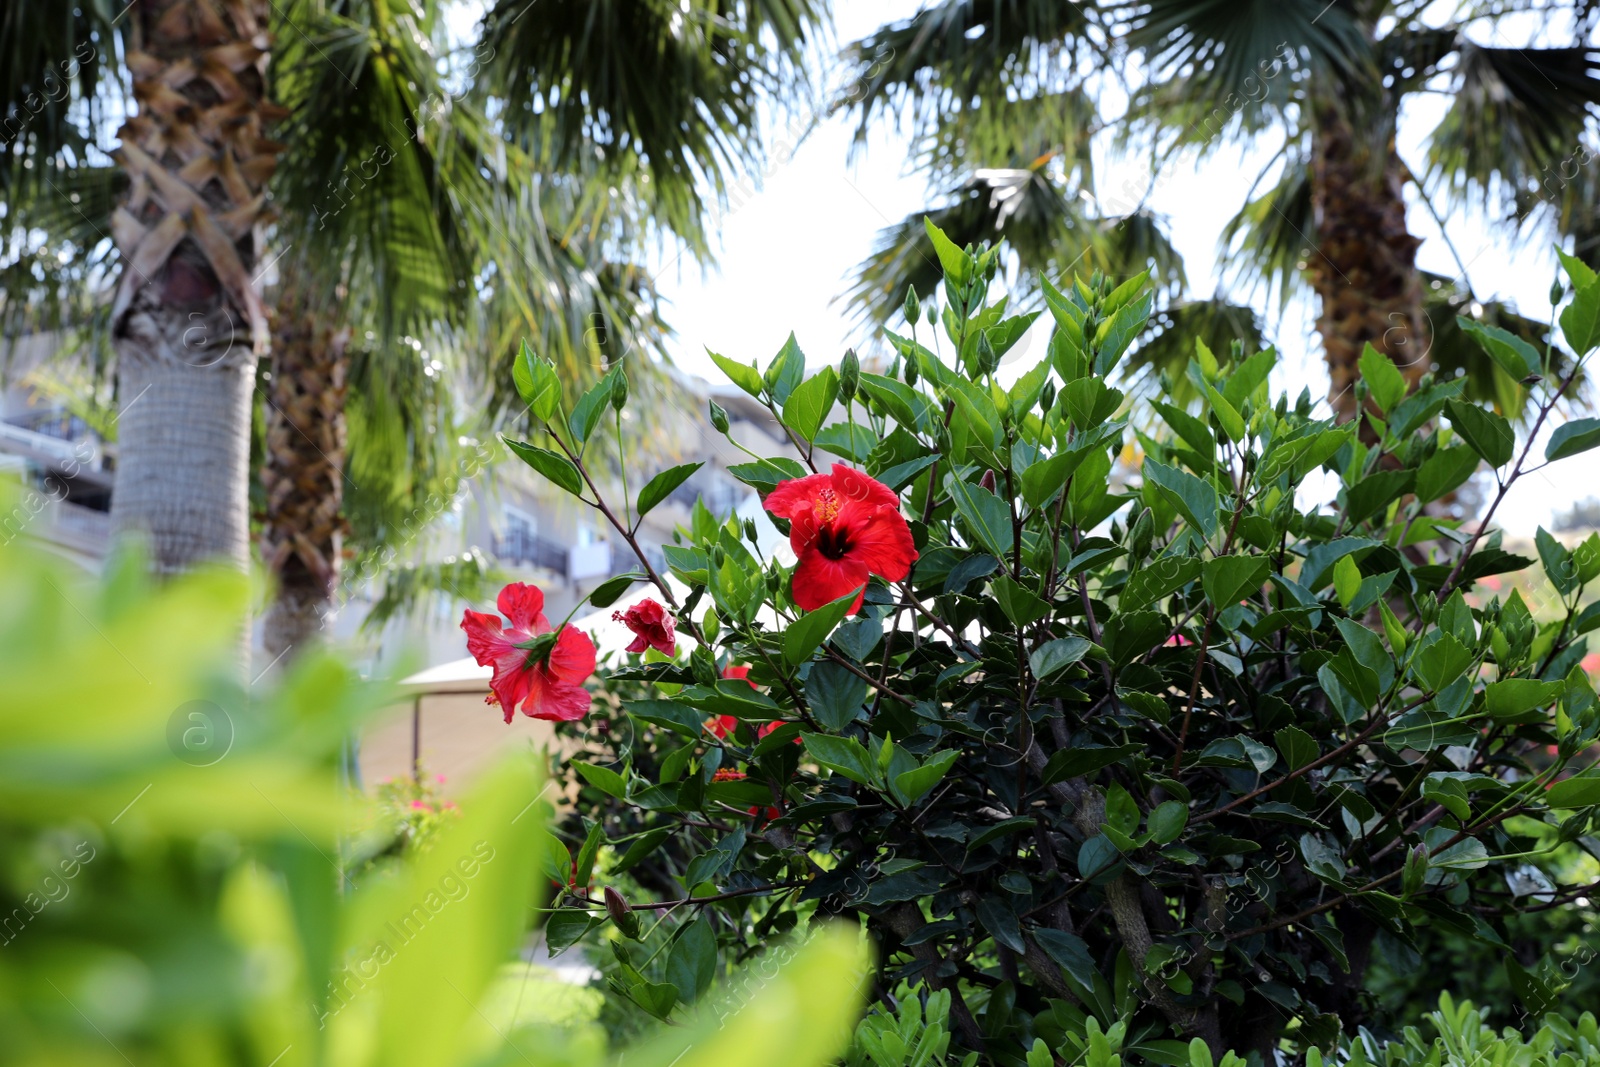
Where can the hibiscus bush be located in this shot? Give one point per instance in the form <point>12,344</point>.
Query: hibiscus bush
<point>1103,714</point>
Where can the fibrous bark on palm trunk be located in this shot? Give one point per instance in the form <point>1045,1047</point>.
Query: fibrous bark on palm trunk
<point>303,528</point>
<point>187,319</point>
<point>1364,267</point>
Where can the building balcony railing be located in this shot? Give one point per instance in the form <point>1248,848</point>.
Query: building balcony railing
<point>520,546</point>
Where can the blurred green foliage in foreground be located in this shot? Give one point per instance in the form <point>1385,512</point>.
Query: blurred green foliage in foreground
<point>176,858</point>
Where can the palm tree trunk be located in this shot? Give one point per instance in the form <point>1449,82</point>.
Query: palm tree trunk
<point>303,528</point>
<point>187,319</point>
<point>1365,265</point>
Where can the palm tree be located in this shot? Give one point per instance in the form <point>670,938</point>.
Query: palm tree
<point>1011,84</point>
<point>407,226</point>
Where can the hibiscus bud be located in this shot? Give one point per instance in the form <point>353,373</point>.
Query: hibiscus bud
<point>1557,291</point>
<point>774,580</point>
<point>719,417</point>
<point>1047,397</point>
<point>913,309</point>
<point>987,481</point>
<point>1236,349</point>
<point>622,914</point>
<point>849,375</point>
<point>619,391</point>
<point>717,557</point>
<point>911,370</point>
<point>750,532</point>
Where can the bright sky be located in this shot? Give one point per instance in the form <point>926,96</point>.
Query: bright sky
<point>787,249</point>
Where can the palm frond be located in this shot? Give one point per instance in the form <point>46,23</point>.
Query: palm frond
<point>1265,245</point>
<point>957,56</point>
<point>673,87</point>
<point>1515,113</point>
<point>53,75</point>
<point>1230,66</point>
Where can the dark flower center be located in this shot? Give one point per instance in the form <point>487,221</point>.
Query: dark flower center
<point>832,543</point>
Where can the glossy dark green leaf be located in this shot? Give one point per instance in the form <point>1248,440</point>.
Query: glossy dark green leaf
<point>661,486</point>
<point>558,469</point>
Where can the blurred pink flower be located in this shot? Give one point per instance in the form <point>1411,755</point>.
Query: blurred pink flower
<point>1590,663</point>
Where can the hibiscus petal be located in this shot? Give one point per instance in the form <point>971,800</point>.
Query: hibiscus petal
<point>819,580</point>
<point>512,680</point>
<point>554,700</point>
<point>572,659</point>
<point>796,496</point>
<point>486,641</point>
<point>523,604</point>
<point>880,541</point>
<point>851,484</point>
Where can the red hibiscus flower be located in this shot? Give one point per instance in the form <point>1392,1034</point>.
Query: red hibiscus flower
<point>728,776</point>
<point>652,627</point>
<point>545,677</point>
<point>844,526</point>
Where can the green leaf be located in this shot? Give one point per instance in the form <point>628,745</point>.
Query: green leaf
<point>602,778</point>
<point>952,260</point>
<point>1441,662</point>
<point>1558,564</point>
<point>1489,434</point>
<point>1195,500</point>
<point>740,374</point>
<point>557,468</point>
<point>1230,420</point>
<point>912,785</point>
<point>850,440</point>
<point>566,927</point>
<point>844,755</point>
<point>1517,696</point>
<point>1248,376</point>
<point>592,405</point>
<point>1511,353</point>
<point>1167,821</point>
<point>811,629</point>
<point>1055,656</point>
<point>765,475</point>
<point>692,963</point>
<point>986,515</point>
<point>1574,437</point>
<point>1375,492</point>
<point>1044,479</point>
<point>1383,378</point>
<point>1579,272</point>
<point>1227,578</point>
<point>1580,321</point>
<point>1090,402</point>
<point>810,403</point>
<point>1076,762</point>
<point>1191,430</point>
<point>1118,332</point>
<point>661,486</point>
<point>1157,579</point>
<point>1579,791</point>
<point>785,371</point>
<point>1020,604</point>
<point>1346,580</point>
<point>904,404</point>
<point>607,592</point>
<point>835,694</point>
<point>537,383</point>
<point>1297,746</point>
<point>1443,472</point>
